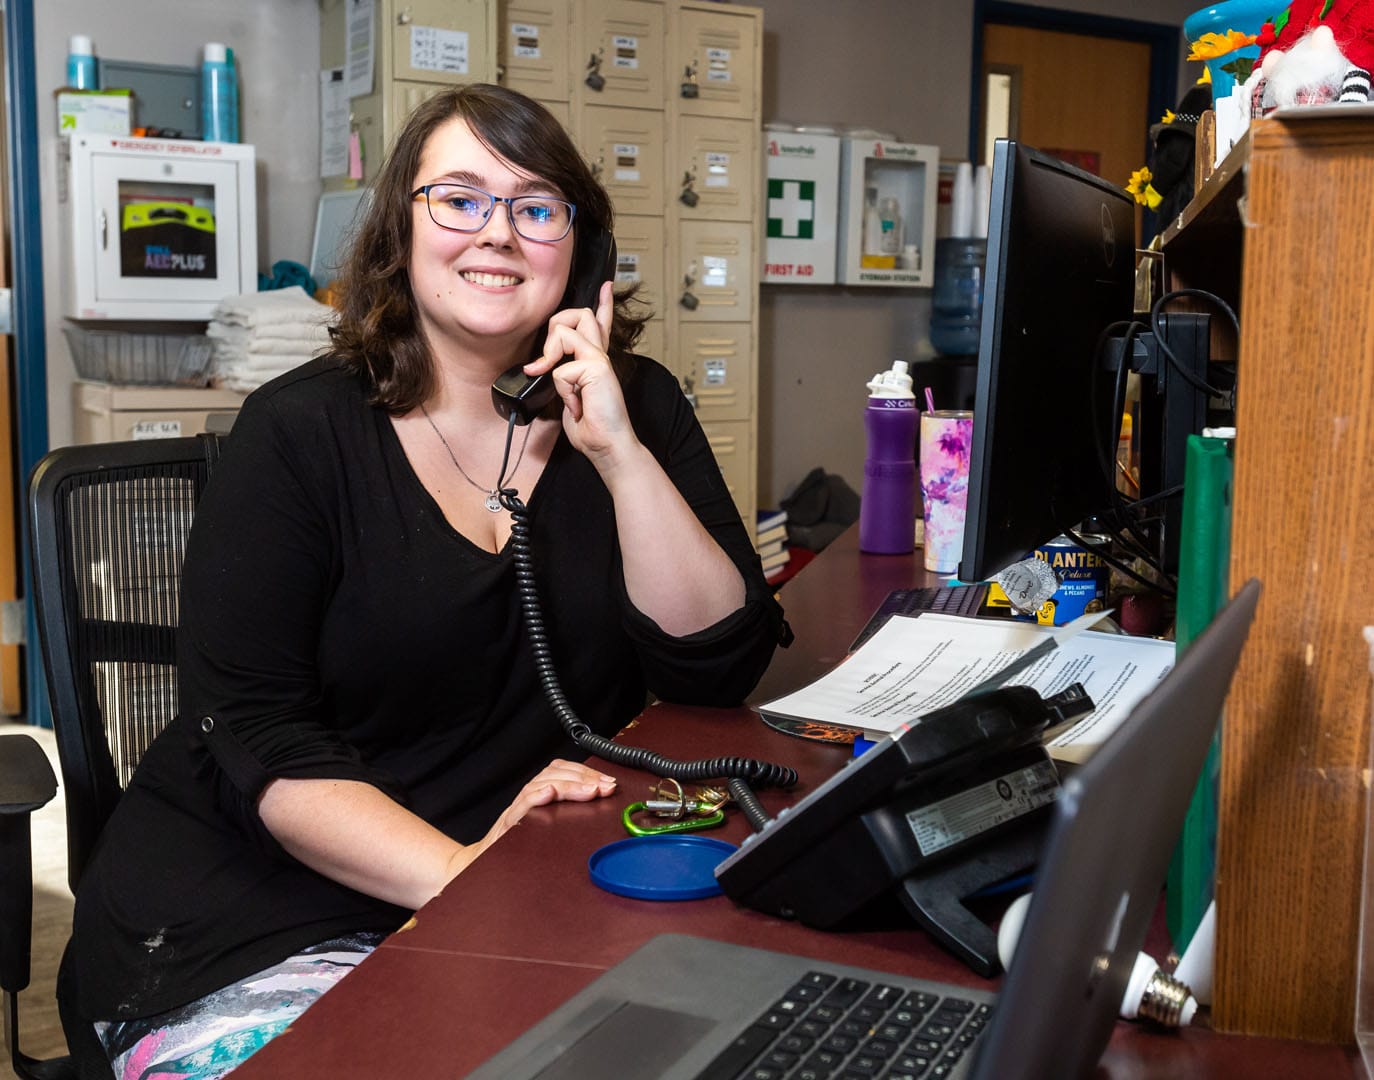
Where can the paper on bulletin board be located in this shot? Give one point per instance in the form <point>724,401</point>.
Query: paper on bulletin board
<point>362,46</point>
<point>333,123</point>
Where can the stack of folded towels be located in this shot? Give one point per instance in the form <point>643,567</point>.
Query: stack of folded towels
<point>258,336</point>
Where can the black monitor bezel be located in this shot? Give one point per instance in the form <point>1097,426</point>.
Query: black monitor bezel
<point>1024,491</point>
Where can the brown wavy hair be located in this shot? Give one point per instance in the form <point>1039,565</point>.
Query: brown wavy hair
<point>378,332</point>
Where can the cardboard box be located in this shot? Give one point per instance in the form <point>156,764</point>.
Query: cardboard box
<point>99,112</point>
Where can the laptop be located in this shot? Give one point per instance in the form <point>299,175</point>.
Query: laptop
<point>688,1008</point>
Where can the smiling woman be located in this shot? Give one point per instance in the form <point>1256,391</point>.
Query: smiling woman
<point>362,709</point>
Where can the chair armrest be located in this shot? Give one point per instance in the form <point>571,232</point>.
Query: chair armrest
<point>26,777</point>
<point>26,783</point>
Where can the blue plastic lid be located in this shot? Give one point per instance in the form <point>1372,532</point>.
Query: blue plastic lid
<point>667,867</point>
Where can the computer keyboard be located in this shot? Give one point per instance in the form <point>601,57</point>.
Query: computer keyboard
<point>948,599</point>
<point>831,1027</point>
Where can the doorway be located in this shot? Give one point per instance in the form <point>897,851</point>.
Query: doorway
<point>1084,88</point>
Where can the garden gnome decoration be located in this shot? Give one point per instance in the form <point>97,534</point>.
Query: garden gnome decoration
<point>1314,52</point>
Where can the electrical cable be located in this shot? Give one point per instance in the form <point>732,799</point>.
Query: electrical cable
<point>1156,311</point>
<point>748,770</point>
<point>1118,517</point>
<point>1167,588</point>
<point>1120,504</point>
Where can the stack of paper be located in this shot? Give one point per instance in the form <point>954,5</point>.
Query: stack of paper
<point>914,665</point>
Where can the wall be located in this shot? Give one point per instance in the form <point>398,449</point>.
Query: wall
<point>276,44</point>
<point>895,65</point>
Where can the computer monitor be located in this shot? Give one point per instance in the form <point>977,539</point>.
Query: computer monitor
<point>1060,270</point>
<point>336,218</point>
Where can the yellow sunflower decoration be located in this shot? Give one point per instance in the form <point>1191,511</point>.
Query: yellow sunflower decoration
<point>1211,46</point>
<point>1139,188</point>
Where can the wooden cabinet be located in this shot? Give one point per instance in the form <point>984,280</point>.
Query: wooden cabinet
<point>1287,226</point>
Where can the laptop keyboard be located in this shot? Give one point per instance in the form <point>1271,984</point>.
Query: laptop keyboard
<point>832,1028</point>
<point>947,599</point>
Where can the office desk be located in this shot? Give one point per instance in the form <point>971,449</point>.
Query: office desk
<point>524,928</point>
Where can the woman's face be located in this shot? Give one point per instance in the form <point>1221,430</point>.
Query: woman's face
<point>486,292</point>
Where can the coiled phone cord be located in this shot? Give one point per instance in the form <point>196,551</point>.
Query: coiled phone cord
<point>748,770</point>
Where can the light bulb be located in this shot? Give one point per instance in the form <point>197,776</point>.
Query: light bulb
<point>1149,992</point>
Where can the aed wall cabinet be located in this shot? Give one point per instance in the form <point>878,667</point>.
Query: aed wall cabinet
<point>887,212</point>
<point>801,206</point>
<point>158,228</point>
<point>103,412</point>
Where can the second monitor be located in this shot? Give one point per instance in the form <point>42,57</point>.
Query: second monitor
<point>1058,301</point>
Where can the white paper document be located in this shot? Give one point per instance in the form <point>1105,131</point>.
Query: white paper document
<point>914,665</point>
<point>333,123</point>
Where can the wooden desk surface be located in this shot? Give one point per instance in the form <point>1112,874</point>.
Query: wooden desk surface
<point>524,928</point>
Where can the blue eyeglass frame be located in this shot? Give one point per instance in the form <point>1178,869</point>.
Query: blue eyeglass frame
<point>495,201</point>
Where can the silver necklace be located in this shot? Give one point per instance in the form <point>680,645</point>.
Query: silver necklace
<point>493,499</point>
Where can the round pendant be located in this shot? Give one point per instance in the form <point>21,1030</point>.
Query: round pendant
<point>494,502</point>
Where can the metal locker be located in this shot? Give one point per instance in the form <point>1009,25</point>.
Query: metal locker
<point>534,45</point>
<point>622,53</point>
<point>562,112</point>
<point>639,243</point>
<point>718,368</point>
<point>716,66</point>
<point>716,168</point>
<point>716,282</point>
<point>732,441</point>
<point>420,47</point>
<point>407,97</point>
<point>625,148</point>
<point>443,41</point>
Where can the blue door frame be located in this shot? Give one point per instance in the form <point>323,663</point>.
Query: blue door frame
<point>30,336</point>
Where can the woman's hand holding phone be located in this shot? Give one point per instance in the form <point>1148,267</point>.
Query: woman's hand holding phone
<point>594,415</point>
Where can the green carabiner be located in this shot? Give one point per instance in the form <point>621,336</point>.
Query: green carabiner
<point>687,824</point>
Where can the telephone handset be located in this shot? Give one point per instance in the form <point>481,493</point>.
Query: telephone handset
<point>594,262</point>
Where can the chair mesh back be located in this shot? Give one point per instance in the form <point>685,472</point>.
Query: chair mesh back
<point>126,533</point>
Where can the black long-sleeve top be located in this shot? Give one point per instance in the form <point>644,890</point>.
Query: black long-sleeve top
<point>334,625</point>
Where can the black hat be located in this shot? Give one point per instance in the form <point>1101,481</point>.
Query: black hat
<point>1195,102</point>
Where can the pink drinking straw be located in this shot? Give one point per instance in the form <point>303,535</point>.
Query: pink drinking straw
<point>930,400</point>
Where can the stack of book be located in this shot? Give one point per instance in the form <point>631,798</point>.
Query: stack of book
<point>770,538</point>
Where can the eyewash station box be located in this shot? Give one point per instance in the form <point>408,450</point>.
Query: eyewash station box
<point>887,212</point>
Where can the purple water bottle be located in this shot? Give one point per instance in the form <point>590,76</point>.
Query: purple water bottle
<point>887,512</point>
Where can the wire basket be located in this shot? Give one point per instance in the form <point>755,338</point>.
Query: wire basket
<point>118,356</point>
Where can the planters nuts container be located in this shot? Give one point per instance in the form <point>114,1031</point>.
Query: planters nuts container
<point>1083,578</point>
<point>887,512</point>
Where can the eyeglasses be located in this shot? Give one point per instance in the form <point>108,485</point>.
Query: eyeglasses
<point>460,208</point>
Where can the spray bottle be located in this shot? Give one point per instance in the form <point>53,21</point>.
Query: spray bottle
<point>887,512</point>
<point>219,118</point>
<point>81,69</point>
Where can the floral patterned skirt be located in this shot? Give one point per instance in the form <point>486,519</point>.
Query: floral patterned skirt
<point>206,1038</point>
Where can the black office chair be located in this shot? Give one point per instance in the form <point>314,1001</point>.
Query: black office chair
<point>108,526</point>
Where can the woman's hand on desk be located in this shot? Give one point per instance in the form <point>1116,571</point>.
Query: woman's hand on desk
<point>558,781</point>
